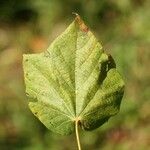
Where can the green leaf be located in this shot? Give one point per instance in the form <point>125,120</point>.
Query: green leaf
<point>73,80</point>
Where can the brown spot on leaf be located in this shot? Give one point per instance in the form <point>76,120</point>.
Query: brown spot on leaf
<point>81,23</point>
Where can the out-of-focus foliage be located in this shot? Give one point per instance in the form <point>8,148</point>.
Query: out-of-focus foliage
<point>29,26</point>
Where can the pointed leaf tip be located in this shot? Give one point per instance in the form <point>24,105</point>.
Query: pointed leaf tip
<point>81,23</point>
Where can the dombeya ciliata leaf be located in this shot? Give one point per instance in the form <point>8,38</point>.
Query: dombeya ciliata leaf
<point>74,79</point>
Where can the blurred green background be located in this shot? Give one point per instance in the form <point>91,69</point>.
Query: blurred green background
<point>123,28</point>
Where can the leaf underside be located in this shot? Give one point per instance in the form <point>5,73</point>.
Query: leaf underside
<point>73,79</point>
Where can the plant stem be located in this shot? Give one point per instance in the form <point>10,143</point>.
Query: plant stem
<point>77,134</point>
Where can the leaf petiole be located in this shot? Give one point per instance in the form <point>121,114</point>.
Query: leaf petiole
<point>77,134</point>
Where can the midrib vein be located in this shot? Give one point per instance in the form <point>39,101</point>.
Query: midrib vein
<point>75,71</point>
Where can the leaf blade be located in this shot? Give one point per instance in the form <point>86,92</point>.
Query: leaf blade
<point>73,79</point>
